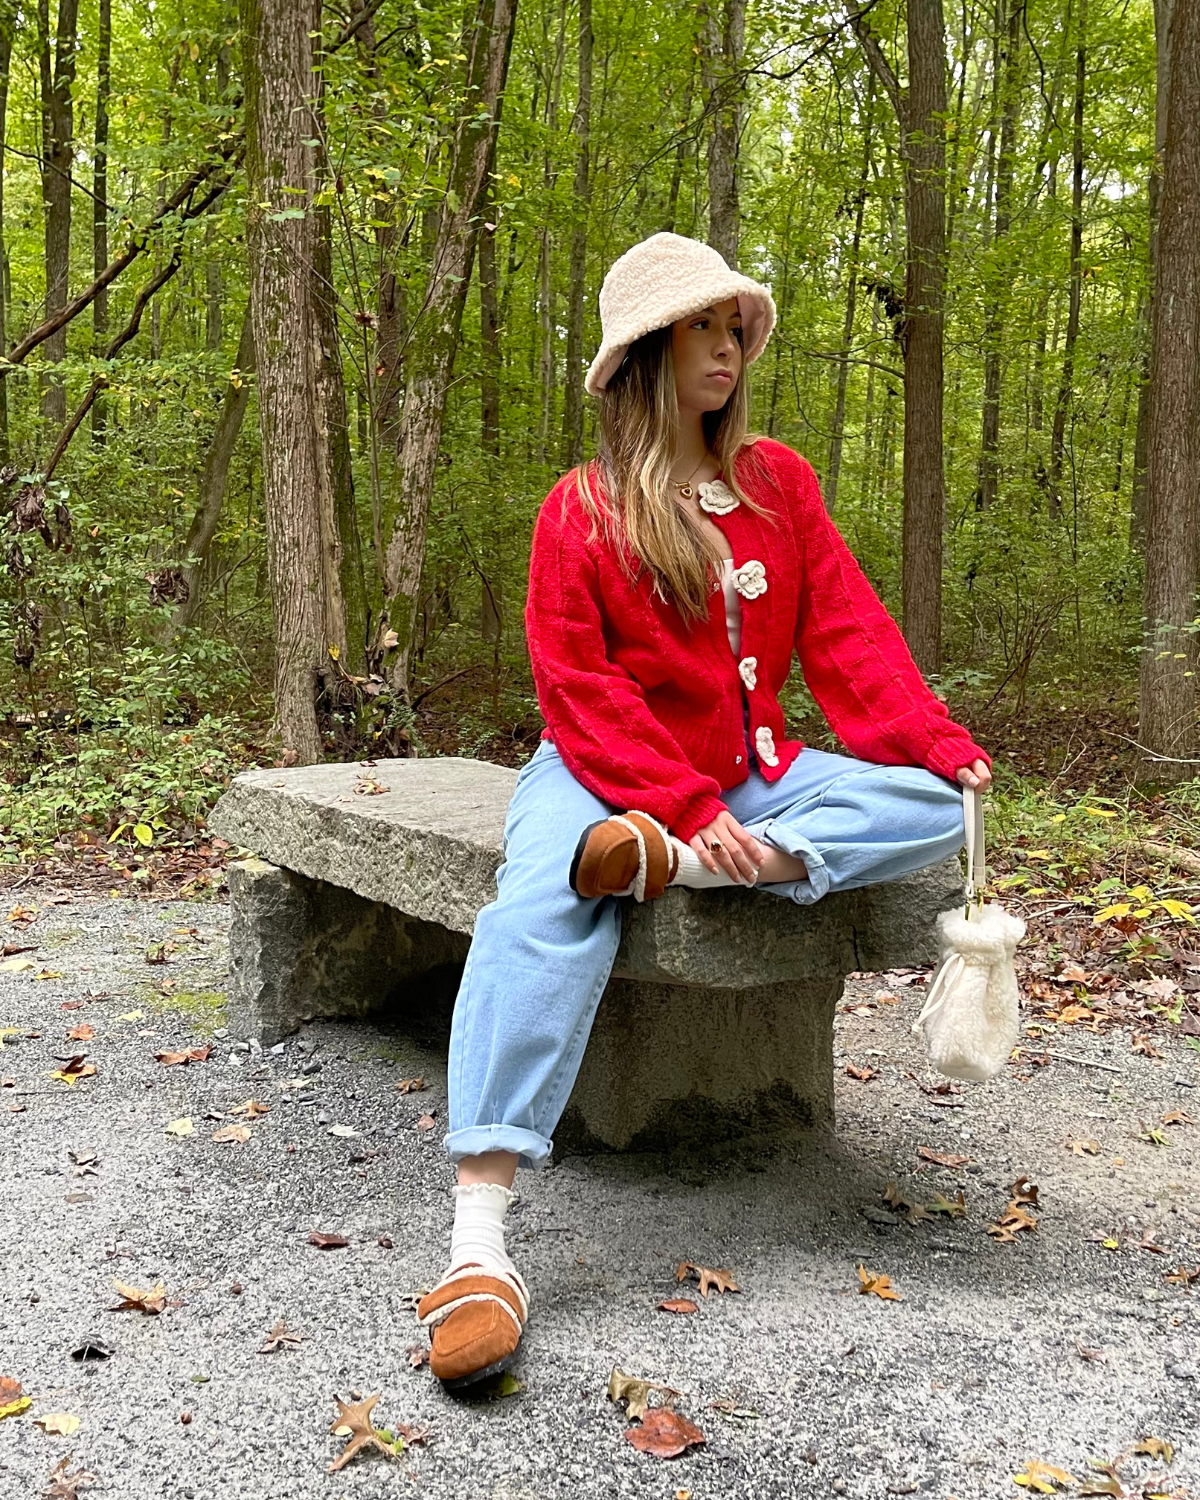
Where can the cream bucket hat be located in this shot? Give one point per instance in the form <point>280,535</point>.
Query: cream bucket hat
<point>664,278</point>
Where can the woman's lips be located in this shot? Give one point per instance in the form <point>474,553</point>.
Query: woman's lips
<point>720,375</point>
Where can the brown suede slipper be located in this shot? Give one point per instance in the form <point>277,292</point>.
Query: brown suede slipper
<point>627,854</point>
<point>477,1315</point>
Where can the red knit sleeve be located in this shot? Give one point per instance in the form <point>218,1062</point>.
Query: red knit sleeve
<point>853,656</point>
<point>597,714</point>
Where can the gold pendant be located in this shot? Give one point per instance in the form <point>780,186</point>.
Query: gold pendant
<point>685,490</point>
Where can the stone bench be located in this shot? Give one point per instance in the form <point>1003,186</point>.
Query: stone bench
<point>718,1017</point>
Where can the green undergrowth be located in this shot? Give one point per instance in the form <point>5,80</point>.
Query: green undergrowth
<point>204,1010</point>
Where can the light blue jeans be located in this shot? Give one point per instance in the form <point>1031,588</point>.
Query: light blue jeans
<point>541,955</point>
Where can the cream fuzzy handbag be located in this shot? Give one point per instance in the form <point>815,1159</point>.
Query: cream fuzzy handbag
<point>971,1018</point>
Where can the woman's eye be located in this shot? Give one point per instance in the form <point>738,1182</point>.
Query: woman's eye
<point>737,333</point>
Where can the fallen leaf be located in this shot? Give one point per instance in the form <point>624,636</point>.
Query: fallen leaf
<point>133,1300</point>
<point>1044,1478</point>
<point>1013,1221</point>
<point>16,965</point>
<point>499,1386</point>
<point>943,1158</point>
<point>49,974</point>
<point>1024,1191</point>
<point>681,1305</point>
<point>327,1241</point>
<point>280,1337</point>
<point>1156,1448</point>
<point>181,1127</point>
<point>664,1433</point>
<point>873,1284</point>
<point>410,1085</point>
<point>1109,1485</point>
<point>413,1435</point>
<point>1142,1044</point>
<point>426,1122</point>
<point>1153,1136</point>
<point>64,1486</point>
<point>1183,1277</point>
<point>418,1355</point>
<point>91,1348</point>
<point>133,1015</point>
<point>12,1402</point>
<point>231,1135</point>
<point>251,1109</point>
<point>81,1033</point>
<point>346,1131</point>
<point>953,1208</point>
<point>191,1055</point>
<point>62,1423</point>
<point>635,1392</point>
<point>895,1199</point>
<point>863,1074</point>
<point>1084,1148</point>
<point>1148,1242</point>
<point>1097,1356</point>
<point>1177,1117</point>
<point>720,1281</point>
<point>354,1421</point>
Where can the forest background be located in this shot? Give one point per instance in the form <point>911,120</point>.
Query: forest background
<point>297,302</point>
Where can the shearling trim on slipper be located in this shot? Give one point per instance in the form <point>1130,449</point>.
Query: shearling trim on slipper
<point>477,1315</point>
<point>627,854</point>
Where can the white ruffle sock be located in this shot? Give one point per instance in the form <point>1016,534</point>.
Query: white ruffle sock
<point>478,1233</point>
<point>693,873</point>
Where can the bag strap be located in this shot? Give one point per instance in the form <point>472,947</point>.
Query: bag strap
<point>976,863</point>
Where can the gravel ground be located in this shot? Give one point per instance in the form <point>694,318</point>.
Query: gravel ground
<point>948,1392</point>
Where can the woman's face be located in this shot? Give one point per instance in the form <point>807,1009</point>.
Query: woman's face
<point>707,348</point>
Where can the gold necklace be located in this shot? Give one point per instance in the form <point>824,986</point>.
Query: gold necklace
<point>685,486</point>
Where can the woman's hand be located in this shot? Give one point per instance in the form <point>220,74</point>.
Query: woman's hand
<point>976,775</point>
<point>740,854</point>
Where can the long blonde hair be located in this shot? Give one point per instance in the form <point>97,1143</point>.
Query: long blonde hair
<point>626,489</point>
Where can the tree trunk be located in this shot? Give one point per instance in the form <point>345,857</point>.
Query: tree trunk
<point>1167,683</point>
<point>214,478</point>
<point>1009,87</point>
<point>100,205</point>
<point>489,332</point>
<point>843,372</point>
<point>432,363</point>
<point>721,41</point>
<point>1066,388</point>
<point>681,152</point>
<point>582,206</point>
<point>59,120</point>
<point>1163,19</point>
<point>8,26</point>
<point>302,540</point>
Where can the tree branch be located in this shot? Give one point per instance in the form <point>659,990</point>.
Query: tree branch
<point>879,64</point>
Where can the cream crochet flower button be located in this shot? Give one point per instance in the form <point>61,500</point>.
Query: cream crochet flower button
<point>764,745</point>
<point>717,498</point>
<point>750,579</point>
<point>748,667</point>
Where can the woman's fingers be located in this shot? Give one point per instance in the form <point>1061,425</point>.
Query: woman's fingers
<point>699,843</point>
<point>738,848</point>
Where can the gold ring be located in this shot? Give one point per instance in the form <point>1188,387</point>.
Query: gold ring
<point>716,847</point>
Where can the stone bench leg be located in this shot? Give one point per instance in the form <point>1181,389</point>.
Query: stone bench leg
<point>302,950</point>
<point>667,1063</point>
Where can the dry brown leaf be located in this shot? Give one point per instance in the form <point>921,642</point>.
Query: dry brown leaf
<point>1142,1044</point>
<point>1024,1191</point>
<point>635,1392</point>
<point>418,1355</point>
<point>664,1433</point>
<point>64,1486</point>
<point>1177,1117</point>
<point>1148,1242</point>
<point>426,1122</point>
<point>943,1158</point>
<point>410,1085</point>
<point>1013,1221</point>
<point>1097,1356</point>
<point>710,1280</point>
<point>81,1033</point>
<point>132,1300</point>
<point>251,1109</point>
<point>354,1421</point>
<point>863,1074</point>
<point>413,1435</point>
<point>874,1284</point>
<point>280,1337</point>
<point>1044,1478</point>
<point>191,1055</point>
<point>10,1389</point>
<point>231,1135</point>
<point>325,1241</point>
<point>895,1199</point>
<point>1156,1448</point>
<point>953,1208</point>
<point>680,1305</point>
<point>1083,1147</point>
<point>1183,1277</point>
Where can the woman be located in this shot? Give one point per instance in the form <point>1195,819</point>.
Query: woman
<point>671,580</point>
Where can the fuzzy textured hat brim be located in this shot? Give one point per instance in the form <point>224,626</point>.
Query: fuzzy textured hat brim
<point>665,278</point>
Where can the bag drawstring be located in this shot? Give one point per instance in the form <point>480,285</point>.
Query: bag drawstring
<point>947,976</point>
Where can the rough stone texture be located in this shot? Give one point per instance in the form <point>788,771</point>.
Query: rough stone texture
<point>719,1015</point>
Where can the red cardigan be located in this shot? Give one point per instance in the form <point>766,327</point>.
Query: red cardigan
<point>648,714</point>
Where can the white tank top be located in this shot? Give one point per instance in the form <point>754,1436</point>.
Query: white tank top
<point>733,607</point>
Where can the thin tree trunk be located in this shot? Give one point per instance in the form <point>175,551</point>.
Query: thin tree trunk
<point>214,479</point>
<point>681,152</point>
<point>989,466</point>
<point>839,404</point>
<point>1066,387</point>
<point>302,540</point>
<point>489,332</point>
<point>1167,683</point>
<point>721,42</point>
<point>582,206</point>
<point>59,120</point>
<point>545,285</point>
<point>1164,11</point>
<point>432,363</point>
<point>214,283</point>
<point>100,204</point>
<point>8,24</point>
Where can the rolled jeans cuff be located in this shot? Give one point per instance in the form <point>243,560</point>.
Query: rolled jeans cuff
<point>816,873</point>
<point>474,1140</point>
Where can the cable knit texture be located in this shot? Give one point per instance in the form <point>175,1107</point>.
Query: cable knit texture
<point>647,714</point>
<point>666,277</point>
